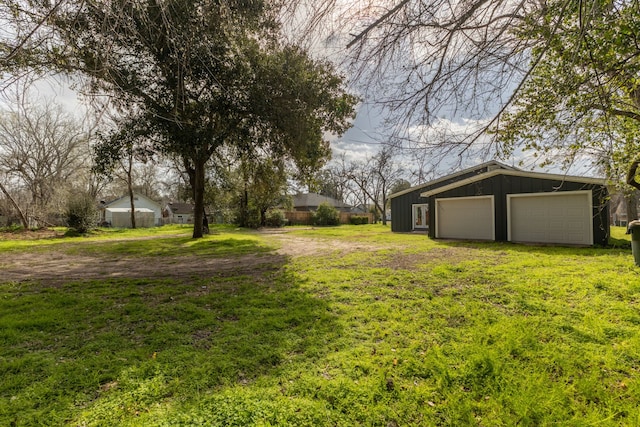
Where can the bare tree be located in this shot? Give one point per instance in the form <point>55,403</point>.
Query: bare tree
<point>376,176</point>
<point>345,173</point>
<point>43,148</point>
<point>15,205</point>
<point>371,180</point>
<point>430,59</point>
<point>121,152</point>
<point>387,173</point>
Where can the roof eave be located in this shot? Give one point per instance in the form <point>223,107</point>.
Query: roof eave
<point>519,173</point>
<point>453,175</point>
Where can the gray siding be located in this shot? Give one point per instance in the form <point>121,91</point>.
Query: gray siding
<point>401,210</point>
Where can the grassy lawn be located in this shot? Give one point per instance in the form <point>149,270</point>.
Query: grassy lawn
<point>399,330</point>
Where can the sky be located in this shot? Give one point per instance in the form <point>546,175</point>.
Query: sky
<point>364,138</point>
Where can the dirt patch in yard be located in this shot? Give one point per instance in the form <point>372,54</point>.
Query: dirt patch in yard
<point>56,268</point>
<point>295,246</point>
<point>22,234</point>
<point>51,267</point>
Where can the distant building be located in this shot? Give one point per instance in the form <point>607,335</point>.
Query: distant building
<point>117,213</point>
<point>310,202</point>
<point>178,213</point>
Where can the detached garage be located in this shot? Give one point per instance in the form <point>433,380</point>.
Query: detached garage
<point>501,203</point>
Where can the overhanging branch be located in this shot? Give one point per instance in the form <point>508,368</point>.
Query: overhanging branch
<point>376,23</point>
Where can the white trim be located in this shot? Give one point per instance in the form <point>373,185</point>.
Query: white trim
<point>413,216</point>
<point>489,165</point>
<point>145,210</point>
<point>539,175</point>
<point>493,212</point>
<point>588,193</point>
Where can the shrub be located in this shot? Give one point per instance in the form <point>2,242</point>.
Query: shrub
<point>326,215</point>
<point>276,218</point>
<point>253,217</point>
<point>358,220</point>
<point>81,213</point>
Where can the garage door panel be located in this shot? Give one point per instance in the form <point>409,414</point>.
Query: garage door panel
<point>465,218</point>
<point>563,218</point>
<point>574,212</point>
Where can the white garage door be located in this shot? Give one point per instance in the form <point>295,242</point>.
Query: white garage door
<point>465,218</point>
<point>562,217</point>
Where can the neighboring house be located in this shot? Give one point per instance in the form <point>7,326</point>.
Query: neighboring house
<point>618,208</point>
<point>310,202</point>
<point>493,201</point>
<point>117,213</point>
<point>360,209</point>
<point>178,213</point>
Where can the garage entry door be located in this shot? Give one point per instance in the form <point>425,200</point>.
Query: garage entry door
<point>469,218</point>
<point>562,217</point>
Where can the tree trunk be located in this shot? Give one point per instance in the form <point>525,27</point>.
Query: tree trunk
<point>198,198</point>
<point>133,206</point>
<point>244,201</point>
<point>128,170</point>
<point>244,207</point>
<point>632,205</point>
<point>23,218</point>
<point>632,200</point>
<point>384,204</point>
<point>384,211</point>
<point>263,217</point>
<point>205,222</point>
<point>631,175</point>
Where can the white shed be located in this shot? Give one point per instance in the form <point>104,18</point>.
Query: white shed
<point>117,213</point>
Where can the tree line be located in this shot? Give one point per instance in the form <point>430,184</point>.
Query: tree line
<point>50,157</point>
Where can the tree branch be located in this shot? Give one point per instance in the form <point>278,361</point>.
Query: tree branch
<point>19,46</point>
<point>376,23</point>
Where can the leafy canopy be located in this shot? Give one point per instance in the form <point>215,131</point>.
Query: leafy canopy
<point>196,77</point>
<point>583,95</point>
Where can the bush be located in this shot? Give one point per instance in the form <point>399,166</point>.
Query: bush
<point>253,218</point>
<point>81,213</point>
<point>276,218</point>
<point>358,220</point>
<point>326,215</point>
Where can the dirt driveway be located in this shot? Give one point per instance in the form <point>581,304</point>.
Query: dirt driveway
<point>57,267</point>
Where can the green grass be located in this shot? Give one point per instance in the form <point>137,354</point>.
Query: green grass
<point>173,240</point>
<point>407,332</point>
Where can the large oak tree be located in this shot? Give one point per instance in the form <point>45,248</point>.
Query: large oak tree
<point>196,76</point>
